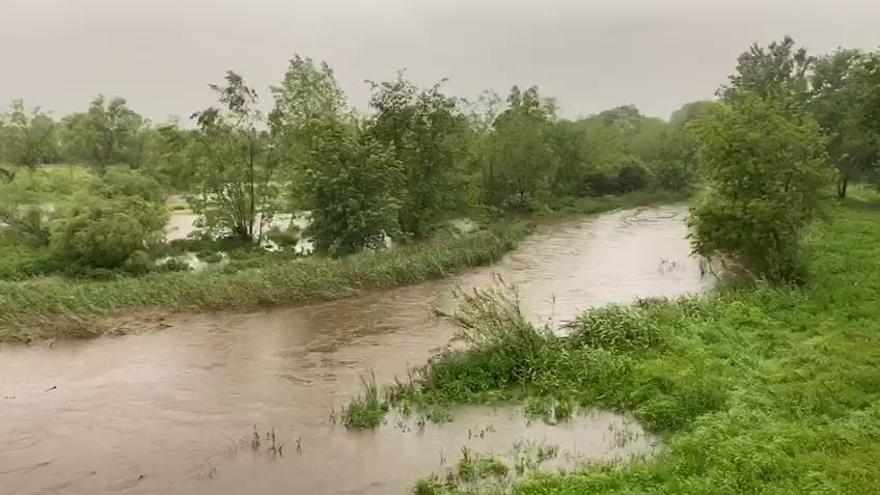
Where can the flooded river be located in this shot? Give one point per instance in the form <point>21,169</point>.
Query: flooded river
<point>176,410</point>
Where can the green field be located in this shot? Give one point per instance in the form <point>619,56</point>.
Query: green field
<point>770,390</point>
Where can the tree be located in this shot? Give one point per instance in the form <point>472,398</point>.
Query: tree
<point>305,99</point>
<point>519,158</point>
<point>233,164</point>
<point>351,183</point>
<point>779,70</point>
<point>837,100</point>
<point>764,167</point>
<point>425,128</point>
<point>28,139</point>
<point>109,132</point>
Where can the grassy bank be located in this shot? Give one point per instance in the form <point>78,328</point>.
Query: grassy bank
<point>761,390</point>
<point>53,308</point>
<point>56,307</point>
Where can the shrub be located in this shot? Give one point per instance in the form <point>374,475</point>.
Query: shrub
<point>765,167</point>
<point>106,232</point>
<point>617,328</point>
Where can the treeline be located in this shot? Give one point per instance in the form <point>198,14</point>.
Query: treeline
<point>421,156</point>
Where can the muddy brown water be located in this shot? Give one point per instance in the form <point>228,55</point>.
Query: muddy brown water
<point>175,411</point>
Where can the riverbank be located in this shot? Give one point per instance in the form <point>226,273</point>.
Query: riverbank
<point>761,390</point>
<point>58,308</point>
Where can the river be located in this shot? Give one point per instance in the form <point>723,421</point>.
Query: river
<point>176,410</point>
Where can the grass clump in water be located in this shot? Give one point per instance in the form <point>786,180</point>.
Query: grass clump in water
<point>368,409</point>
<point>756,389</point>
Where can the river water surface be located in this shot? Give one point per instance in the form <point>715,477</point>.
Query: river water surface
<point>176,410</point>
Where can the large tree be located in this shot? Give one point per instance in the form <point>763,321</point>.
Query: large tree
<point>519,158</point>
<point>425,128</point>
<point>233,162</point>
<point>838,90</point>
<point>109,132</point>
<point>352,185</point>
<point>764,167</point>
<point>27,139</point>
<point>778,70</point>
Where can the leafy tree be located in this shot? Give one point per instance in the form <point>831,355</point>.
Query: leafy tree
<point>764,168</point>
<point>352,184</point>
<point>233,164</point>
<point>169,152</point>
<point>519,159</point>
<point>425,129</point>
<point>109,132</point>
<point>305,99</point>
<point>779,70</point>
<point>838,87</point>
<point>27,139</point>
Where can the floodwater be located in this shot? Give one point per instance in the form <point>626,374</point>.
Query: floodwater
<point>176,410</point>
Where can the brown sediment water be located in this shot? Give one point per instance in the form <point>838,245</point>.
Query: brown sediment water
<point>176,410</point>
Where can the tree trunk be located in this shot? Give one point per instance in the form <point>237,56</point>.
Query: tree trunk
<point>841,187</point>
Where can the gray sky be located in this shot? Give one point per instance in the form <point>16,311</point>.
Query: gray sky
<point>589,54</point>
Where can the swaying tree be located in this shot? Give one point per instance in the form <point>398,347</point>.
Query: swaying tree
<point>352,185</point>
<point>764,166</point>
<point>233,164</point>
<point>426,129</point>
<point>109,132</point>
<point>27,139</point>
<point>519,158</point>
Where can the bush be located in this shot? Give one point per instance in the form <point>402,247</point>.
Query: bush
<point>105,233</point>
<point>765,168</point>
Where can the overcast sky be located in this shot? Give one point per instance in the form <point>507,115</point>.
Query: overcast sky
<point>589,54</point>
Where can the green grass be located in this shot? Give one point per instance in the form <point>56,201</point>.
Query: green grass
<point>368,409</point>
<point>73,306</point>
<point>57,308</point>
<point>760,390</point>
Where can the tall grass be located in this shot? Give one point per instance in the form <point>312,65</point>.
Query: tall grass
<point>760,390</point>
<point>52,308</point>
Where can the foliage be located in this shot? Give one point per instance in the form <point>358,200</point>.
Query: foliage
<point>120,182</point>
<point>765,169</point>
<point>31,310</point>
<point>353,190</point>
<point>233,164</point>
<point>28,139</point>
<point>425,130</point>
<point>366,410</point>
<point>778,71</point>
<point>109,132</point>
<point>838,88</point>
<point>105,232</point>
<point>519,158</point>
<point>764,390</point>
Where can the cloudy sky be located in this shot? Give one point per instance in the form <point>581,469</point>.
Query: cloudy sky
<point>589,54</point>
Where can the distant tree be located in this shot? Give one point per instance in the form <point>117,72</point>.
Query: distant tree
<point>764,167</point>
<point>233,164</point>
<point>779,70</point>
<point>27,139</point>
<point>352,185</point>
<point>109,132</point>
<point>425,129</point>
<point>838,91</point>
<point>519,158</point>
